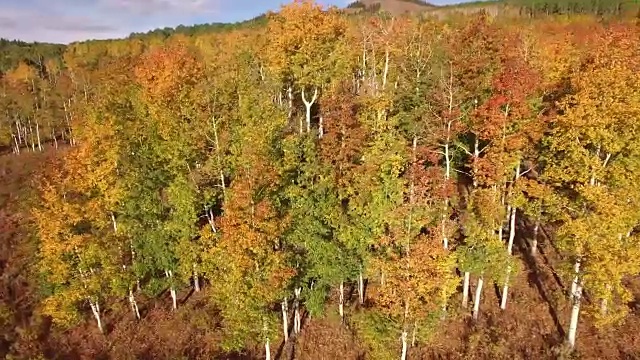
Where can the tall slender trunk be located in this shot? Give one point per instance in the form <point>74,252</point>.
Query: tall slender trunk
<point>414,334</point>
<point>18,129</point>
<point>465,289</point>
<point>476,303</point>
<point>512,224</point>
<point>512,236</point>
<point>575,313</point>
<point>320,127</point>
<point>134,305</point>
<point>196,278</point>
<point>296,311</point>
<point>38,135</point>
<point>308,104</point>
<point>267,343</point>
<point>534,242</point>
<point>17,147</point>
<point>361,288</point>
<point>285,319</point>
<point>219,160</point>
<point>476,156</point>
<point>55,138</point>
<point>447,176</point>
<point>95,308</point>
<point>574,284</point>
<point>33,141</point>
<point>385,72</point>
<point>174,300</point>
<point>505,289</point>
<point>404,345</point>
<point>209,215</point>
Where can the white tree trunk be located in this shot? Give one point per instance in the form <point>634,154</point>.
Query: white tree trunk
<point>172,290</point>
<point>15,140</point>
<point>574,284</point>
<point>134,305</point>
<point>465,290</point>
<point>534,242</point>
<point>505,290</point>
<point>447,176</point>
<point>38,135</point>
<point>95,308</point>
<point>18,129</point>
<point>267,350</point>
<point>196,279</point>
<point>512,230</point>
<point>308,104</point>
<point>385,73</point>
<point>296,311</point>
<point>575,312</point>
<point>404,345</point>
<point>285,319</point>
<point>476,303</point>
<point>321,127</point>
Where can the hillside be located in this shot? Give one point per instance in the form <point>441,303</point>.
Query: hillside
<point>328,186</point>
<point>394,7</point>
<point>399,7</point>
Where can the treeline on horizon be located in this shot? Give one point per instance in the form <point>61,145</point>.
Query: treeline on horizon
<point>274,168</point>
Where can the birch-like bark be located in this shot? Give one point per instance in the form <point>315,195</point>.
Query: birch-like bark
<point>512,224</point>
<point>403,356</point>
<point>134,305</point>
<point>33,141</point>
<point>476,156</point>
<point>38,135</point>
<point>385,73</point>
<point>447,176</point>
<point>267,344</point>
<point>575,313</point>
<point>174,300</point>
<point>95,308</point>
<point>574,284</point>
<point>196,278</point>
<point>512,236</point>
<point>505,289</point>
<point>476,303</point>
<point>534,242</point>
<point>219,159</point>
<point>321,127</point>
<point>17,147</point>
<point>285,319</point>
<point>296,311</point>
<point>18,129</point>
<point>308,104</point>
<point>55,138</point>
<point>465,289</point>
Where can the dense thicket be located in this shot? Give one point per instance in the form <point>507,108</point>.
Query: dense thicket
<point>276,168</point>
<point>599,7</point>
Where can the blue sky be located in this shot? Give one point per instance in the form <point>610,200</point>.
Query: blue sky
<point>65,21</point>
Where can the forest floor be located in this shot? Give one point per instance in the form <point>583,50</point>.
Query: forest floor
<point>532,327</point>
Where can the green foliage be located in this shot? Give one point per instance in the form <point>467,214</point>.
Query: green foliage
<point>378,333</point>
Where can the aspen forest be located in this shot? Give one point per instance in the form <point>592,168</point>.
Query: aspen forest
<point>318,183</point>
